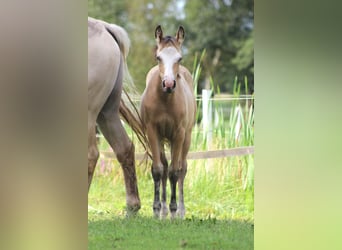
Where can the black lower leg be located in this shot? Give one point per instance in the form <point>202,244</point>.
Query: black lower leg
<point>156,203</point>
<point>173,176</point>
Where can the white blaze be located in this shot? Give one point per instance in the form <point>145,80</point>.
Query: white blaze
<point>169,57</point>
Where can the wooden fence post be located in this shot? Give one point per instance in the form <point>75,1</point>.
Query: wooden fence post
<point>207,116</point>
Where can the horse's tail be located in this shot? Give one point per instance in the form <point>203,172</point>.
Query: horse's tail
<point>121,37</point>
<point>128,109</point>
<point>130,114</point>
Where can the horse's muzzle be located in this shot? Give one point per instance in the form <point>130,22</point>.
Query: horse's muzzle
<point>169,86</point>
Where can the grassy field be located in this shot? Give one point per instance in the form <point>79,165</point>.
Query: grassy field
<point>219,200</point>
<point>112,232</point>
<point>219,210</point>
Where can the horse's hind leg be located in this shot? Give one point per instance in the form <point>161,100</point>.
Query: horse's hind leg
<point>115,134</point>
<point>93,153</point>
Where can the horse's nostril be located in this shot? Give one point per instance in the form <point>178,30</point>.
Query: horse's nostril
<point>168,85</point>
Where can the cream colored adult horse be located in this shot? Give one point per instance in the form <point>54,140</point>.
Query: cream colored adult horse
<point>168,110</point>
<point>108,46</point>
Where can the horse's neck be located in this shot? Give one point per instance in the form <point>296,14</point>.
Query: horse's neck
<point>164,97</point>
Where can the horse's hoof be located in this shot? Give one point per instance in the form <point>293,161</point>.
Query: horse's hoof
<point>164,210</point>
<point>181,214</point>
<point>181,211</point>
<point>173,215</point>
<point>173,208</point>
<point>156,213</point>
<point>132,211</point>
<point>164,213</point>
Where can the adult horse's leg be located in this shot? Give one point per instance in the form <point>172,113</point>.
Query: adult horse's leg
<point>93,153</point>
<point>175,168</point>
<point>164,208</point>
<point>157,167</point>
<point>112,129</point>
<point>115,134</point>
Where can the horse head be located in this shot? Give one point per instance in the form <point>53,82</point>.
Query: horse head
<point>168,54</point>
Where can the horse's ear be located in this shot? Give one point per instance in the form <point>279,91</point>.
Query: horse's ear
<point>158,34</point>
<point>180,34</point>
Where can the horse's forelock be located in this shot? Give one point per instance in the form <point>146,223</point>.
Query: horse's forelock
<point>167,41</point>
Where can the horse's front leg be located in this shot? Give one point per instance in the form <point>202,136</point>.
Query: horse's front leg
<point>164,208</point>
<point>175,168</point>
<point>182,174</point>
<point>181,207</point>
<point>157,168</point>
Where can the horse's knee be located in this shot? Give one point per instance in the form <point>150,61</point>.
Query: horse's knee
<point>157,171</point>
<point>183,170</point>
<point>125,155</point>
<point>173,175</point>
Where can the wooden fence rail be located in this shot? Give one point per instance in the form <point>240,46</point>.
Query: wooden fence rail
<point>195,155</point>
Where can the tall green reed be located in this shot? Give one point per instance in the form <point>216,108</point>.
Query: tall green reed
<point>233,130</point>
<point>233,126</point>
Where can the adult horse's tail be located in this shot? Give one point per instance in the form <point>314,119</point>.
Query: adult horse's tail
<point>128,110</point>
<point>122,39</point>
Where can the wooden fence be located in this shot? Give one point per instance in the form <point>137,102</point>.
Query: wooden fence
<point>196,155</point>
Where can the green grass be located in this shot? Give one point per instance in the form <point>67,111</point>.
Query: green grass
<point>219,208</point>
<point>110,232</point>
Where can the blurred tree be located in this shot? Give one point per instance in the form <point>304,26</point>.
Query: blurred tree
<point>139,18</point>
<point>108,10</point>
<point>144,16</point>
<point>223,27</point>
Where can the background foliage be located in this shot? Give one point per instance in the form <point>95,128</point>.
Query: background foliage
<point>223,27</point>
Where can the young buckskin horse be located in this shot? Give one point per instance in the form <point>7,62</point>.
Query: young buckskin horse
<point>168,110</point>
<point>108,46</point>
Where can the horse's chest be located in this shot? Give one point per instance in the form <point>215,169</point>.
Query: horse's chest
<point>166,128</point>
<point>172,117</point>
